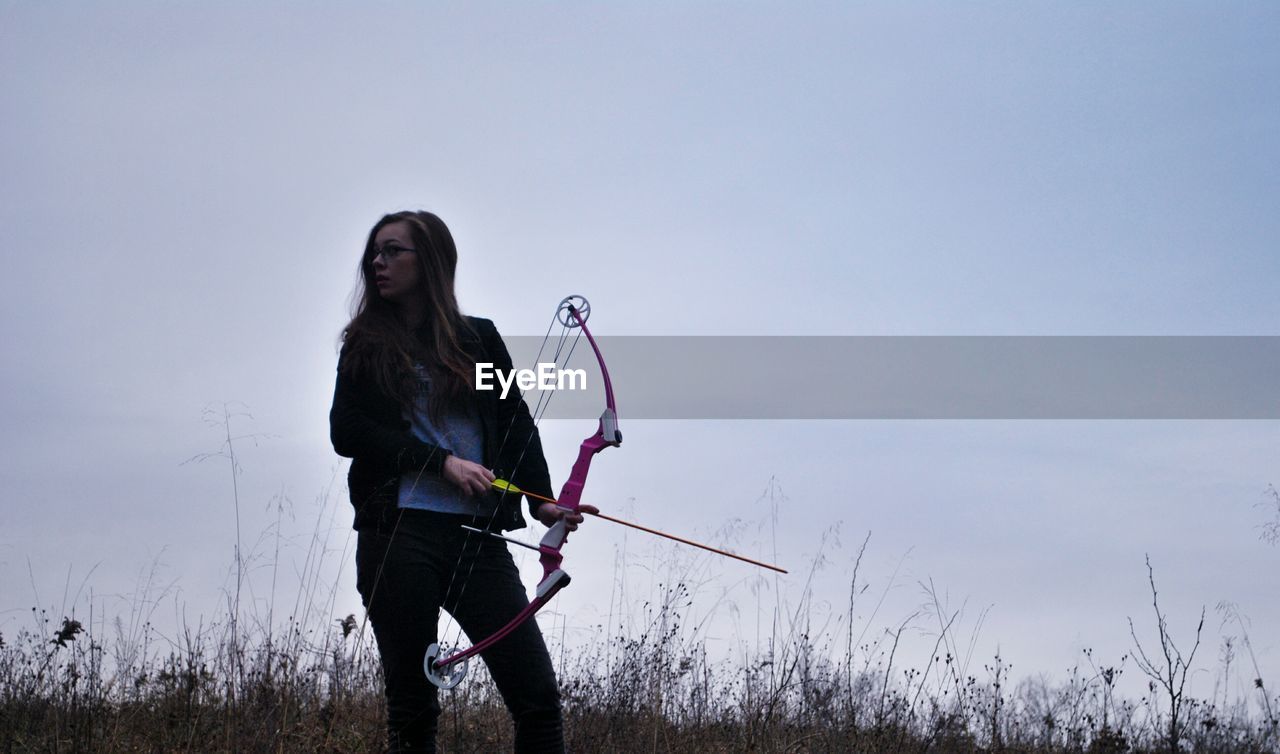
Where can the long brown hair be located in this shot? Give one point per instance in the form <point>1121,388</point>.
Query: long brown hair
<point>378,345</point>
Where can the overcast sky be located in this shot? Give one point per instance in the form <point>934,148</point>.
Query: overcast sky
<point>184,191</point>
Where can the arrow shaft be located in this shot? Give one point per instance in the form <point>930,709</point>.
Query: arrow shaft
<point>689,542</point>
<point>512,488</point>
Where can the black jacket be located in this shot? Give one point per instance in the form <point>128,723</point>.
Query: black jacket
<point>366,425</point>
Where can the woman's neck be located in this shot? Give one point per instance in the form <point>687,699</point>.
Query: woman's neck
<point>413,313</point>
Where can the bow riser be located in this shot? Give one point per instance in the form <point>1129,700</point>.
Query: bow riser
<point>571,492</point>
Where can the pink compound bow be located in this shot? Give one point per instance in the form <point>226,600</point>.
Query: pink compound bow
<point>446,668</point>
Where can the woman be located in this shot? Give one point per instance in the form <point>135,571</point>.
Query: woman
<point>425,446</point>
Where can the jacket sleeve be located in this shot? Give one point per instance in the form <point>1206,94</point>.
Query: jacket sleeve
<point>356,433</point>
<point>528,469</point>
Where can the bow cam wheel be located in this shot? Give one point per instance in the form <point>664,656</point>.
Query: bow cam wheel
<point>577,303</point>
<point>443,677</point>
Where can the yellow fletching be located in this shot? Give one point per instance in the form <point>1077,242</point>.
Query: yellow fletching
<point>505,486</point>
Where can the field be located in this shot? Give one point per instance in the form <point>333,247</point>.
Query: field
<point>298,678</point>
<point>234,685</point>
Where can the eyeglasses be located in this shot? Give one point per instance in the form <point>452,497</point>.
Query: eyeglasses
<point>388,253</point>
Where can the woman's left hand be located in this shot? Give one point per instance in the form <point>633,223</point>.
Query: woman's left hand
<point>550,513</point>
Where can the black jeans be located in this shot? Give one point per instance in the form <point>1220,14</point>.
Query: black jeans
<point>404,579</point>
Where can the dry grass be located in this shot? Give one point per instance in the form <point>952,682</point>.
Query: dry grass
<point>645,682</point>
<point>317,688</point>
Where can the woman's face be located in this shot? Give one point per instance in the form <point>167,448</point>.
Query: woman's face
<point>395,264</point>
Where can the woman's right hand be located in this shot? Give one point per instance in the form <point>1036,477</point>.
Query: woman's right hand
<point>471,478</point>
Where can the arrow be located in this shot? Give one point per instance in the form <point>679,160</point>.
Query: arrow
<point>504,486</point>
